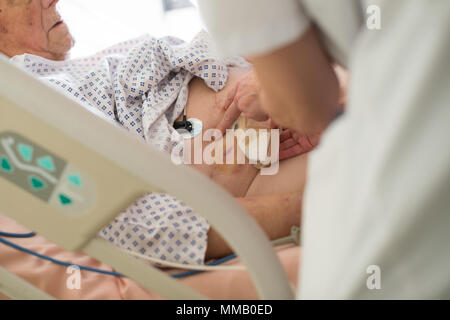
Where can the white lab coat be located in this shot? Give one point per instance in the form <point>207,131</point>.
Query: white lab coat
<point>376,209</point>
<point>252,27</point>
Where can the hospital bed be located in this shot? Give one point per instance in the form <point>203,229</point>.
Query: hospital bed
<point>89,181</point>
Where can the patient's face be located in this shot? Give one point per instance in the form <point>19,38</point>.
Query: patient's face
<point>33,26</point>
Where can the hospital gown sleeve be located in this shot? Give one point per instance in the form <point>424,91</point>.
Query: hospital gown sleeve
<point>159,226</point>
<point>253,27</point>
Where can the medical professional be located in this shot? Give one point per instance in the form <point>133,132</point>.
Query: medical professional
<point>376,211</point>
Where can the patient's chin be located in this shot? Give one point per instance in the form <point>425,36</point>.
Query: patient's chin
<point>60,42</point>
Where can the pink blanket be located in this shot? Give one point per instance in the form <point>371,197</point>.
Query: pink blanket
<point>52,278</point>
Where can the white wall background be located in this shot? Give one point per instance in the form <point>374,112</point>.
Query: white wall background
<point>97,24</point>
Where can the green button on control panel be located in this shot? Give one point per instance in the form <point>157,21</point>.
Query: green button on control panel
<point>75,180</point>
<point>46,163</point>
<point>26,152</point>
<point>36,183</point>
<point>45,175</point>
<point>65,200</point>
<point>5,164</point>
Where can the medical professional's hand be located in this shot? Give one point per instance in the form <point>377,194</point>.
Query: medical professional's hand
<point>293,144</point>
<point>244,99</point>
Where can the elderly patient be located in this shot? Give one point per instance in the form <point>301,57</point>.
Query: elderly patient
<point>146,85</point>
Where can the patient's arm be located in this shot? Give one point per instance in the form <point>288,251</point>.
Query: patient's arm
<point>274,201</point>
<point>274,213</point>
<point>237,284</point>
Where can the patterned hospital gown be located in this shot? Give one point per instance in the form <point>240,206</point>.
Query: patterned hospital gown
<point>143,85</point>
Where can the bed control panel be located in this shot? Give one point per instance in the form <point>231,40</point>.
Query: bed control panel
<point>45,175</point>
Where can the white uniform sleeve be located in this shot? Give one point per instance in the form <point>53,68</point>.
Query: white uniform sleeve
<point>253,27</point>
<point>376,210</point>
